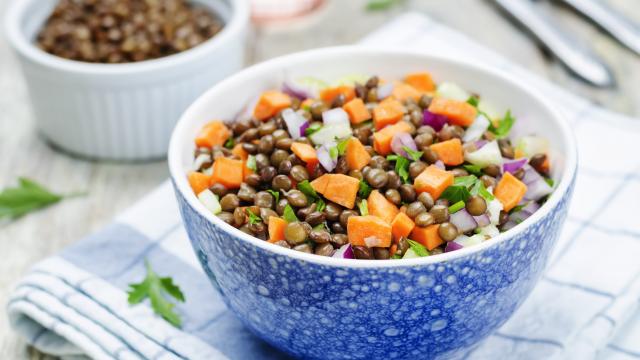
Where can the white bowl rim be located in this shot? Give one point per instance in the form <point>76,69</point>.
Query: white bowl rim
<point>178,141</point>
<point>237,22</point>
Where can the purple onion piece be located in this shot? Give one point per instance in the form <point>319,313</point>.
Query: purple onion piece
<point>384,91</point>
<point>344,252</point>
<point>440,165</point>
<point>304,128</point>
<point>400,140</point>
<point>294,90</point>
<point>463,221</point>
<point>512,166</point>
<point>434,120</point>
<point>325,159</point>
<point>480,143</point>
<point>452,246</point>
<point>482,220</point>
<point>531,207</point>
<point>294,123</point>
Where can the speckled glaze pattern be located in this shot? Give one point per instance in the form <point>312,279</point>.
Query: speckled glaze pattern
<point>429,311</point>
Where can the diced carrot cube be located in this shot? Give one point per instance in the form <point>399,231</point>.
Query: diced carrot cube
<point>228,172</point>
<point>240,152</point>
<point>270,103</point>
<point>388,112</point>
<point>198,181</point>
<point>342,190</point>
<point>422,81</point>
<point>276,228</point>
<point>450,151</point>
<point>427,236</point>
<point>509,191</point>
<point>357,111</point>
<point>305,152</point>
<point>214,133</point>
<point>433,180</point>
<point>379,206</point>
<point>382,139</point>
<point>328,95</point>
<point>401,226</point>
<point>458,112</point>
<point>368,230</point>
<point>356,155</point>
<point>320,184</point>
<point>402,92</point>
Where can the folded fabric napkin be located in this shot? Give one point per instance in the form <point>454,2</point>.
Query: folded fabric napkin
<point>586,306</point>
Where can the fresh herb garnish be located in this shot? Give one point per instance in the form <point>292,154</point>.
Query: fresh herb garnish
<point>333,152</point>
<point>474,101</point>
<point>456,207</point>
<point>402,166</point>
<point>289,215</point>
<point>315,126</point>
<point>307,189</point>
<point>415,155</point>
<point>504,125</point>
<point>479,189</point>
<point>342,146</point>
<point>251,163</point>
<point>466,181</point>
<point>473,169</point>
<point>418,248</point>
<point>26,197</point>
<point>455,193</point>
<point>518,208</point>
<point>320,204</point>
<point>229,143</point>
<point>396,256</point>
<point>549,181</point>
<point>276,194</point>
<point>155,288</point>
<point>364,189</point>
<point>381,4</point>
<point>363,207</point>
<point>253,218</point>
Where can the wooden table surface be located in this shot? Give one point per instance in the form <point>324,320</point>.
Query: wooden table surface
<point>112,186</point>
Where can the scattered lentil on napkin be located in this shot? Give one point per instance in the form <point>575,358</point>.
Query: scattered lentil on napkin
<point>74,304</point>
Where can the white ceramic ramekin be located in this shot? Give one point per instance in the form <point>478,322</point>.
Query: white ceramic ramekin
<point>120,111</point>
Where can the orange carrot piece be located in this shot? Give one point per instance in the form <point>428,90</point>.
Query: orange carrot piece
<point>422,81</point>
<point>276,228</point>
<point>356,155</point>
<point>427,236</point>
<point>270,103</point>
<point>198,181</point>
<point>328,95</point>
<point>212,134</point>
<point>379,206</point>
<point>546,165</point>
<point>342,190</point>
<point>388,112</point>
<point>320,184</point>
<point>401,226</point>
<point>228,172</point>
<point>363,230</point>
<point>357,111</point>
<point>393,249</point>
<point>458,112</point>
<point>402,92</point>
<point>450,151</point>
<point>305,152</point>
<point>382,139</point>
<point>306,103</point>
<point>240,152</point>
<point>433,180</point>
<point>509,191</point>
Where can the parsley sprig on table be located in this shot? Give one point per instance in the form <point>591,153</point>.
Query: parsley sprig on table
<point>156,288</point>
<point>28,196</point>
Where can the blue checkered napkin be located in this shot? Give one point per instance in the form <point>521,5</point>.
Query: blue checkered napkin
<point>586,306</point>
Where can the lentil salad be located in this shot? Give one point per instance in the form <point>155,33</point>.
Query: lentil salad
<point>370,169</point>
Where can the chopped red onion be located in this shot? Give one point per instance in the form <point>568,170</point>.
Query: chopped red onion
<point>480,143</point>
<point>509,225</point>
<point>294,122</point>
<point>344,252</point>
<point>335,116</point>
<point>304,128</point>
<point>434,120</point>
<point>400,140</point>
<point>384,91</point>
<point>531,207</point>
<point>440,165</point>
<point>513,165</point>
<point>463,221</point>
<point>537,188</point>
<point>292,89</point>
<point>482,220</point>
<point>325,158</point>
<point>452,246</point>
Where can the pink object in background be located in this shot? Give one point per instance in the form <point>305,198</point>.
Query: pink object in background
<point>277,10</point>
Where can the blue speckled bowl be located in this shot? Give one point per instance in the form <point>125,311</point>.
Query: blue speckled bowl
<point>318,307</point>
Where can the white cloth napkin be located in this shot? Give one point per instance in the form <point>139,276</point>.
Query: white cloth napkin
<point>585,307</point>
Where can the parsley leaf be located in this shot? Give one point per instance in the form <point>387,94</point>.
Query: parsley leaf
<point>473,169</point>
<point>289,215</point>
<point>381,4</point>
<point>466,181</point>
<point>251,163</point>
<point>307,189</point>
<point>229,143</point>
<point>455,193</point>
<point>155,288</point>
<point>320,204</point>
<point>333,152</point>
<point>504,125</point>
<point>276,194</point>
<point>315,126</point>
<point>415,155</point>
<point>363,207</point>
<point>418,248</point>
<point>474,101</point>
<point>253,218</point>
<point>26,197</point>
<point>364,189</point>
<point>479,189</point>
<point>342,146</point>
<point>402,166</point>
<point>549,181</point>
